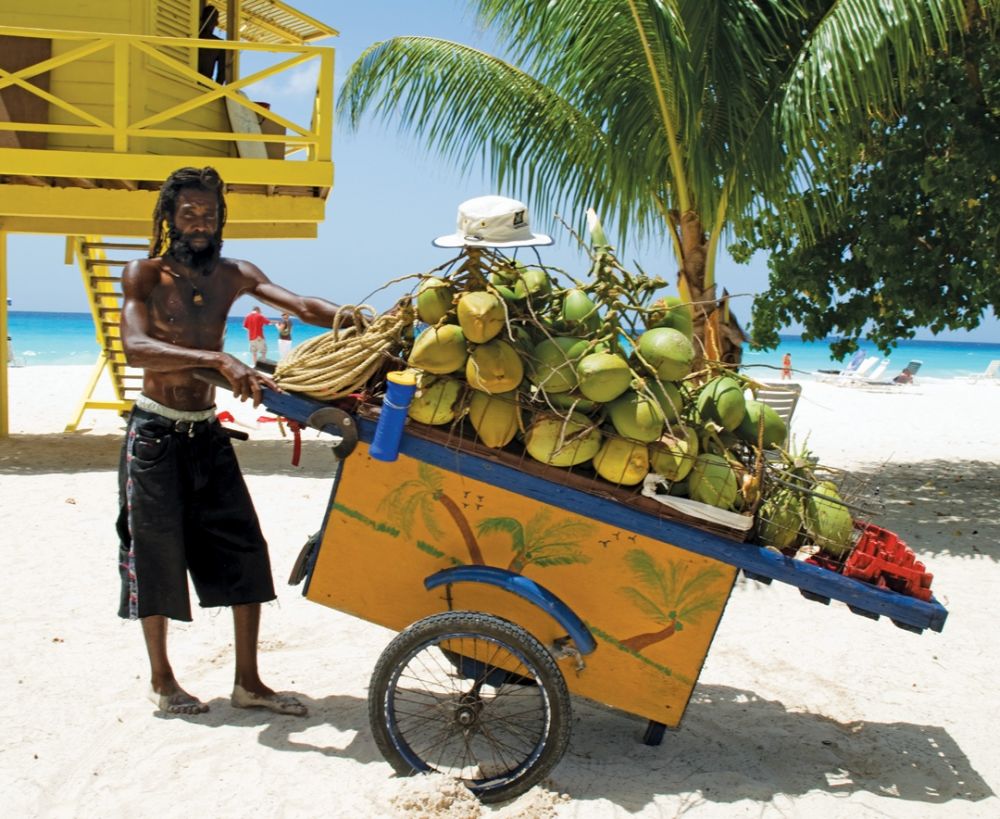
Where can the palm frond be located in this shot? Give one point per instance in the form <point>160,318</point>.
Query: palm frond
<point>542,534</point>
<point>429,477</point>
<point>564,558</point>
<point>693,612</point>
<point>635,106</point>
<point>645,605</point>
<point>510,526</point>
<point>430,519</point>
<point>463,103</point>
<point>696,583</point>
<point>648,572</point>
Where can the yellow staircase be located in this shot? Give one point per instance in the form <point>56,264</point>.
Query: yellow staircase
<point>102,277</point>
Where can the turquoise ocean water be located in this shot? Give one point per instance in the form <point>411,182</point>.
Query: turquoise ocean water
<point>41,339</point>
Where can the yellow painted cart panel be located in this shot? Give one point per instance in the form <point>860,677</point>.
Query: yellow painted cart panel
<point>652,607</point>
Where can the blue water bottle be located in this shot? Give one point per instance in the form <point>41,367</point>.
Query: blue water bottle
<point>399,392</point>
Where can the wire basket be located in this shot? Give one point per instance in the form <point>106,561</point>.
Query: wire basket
<point>815,512</point>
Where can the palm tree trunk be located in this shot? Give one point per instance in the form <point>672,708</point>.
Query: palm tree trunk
<point>516,565</point>
<point>640,641</point>
<point>475,553</point>
<point>715,339</point>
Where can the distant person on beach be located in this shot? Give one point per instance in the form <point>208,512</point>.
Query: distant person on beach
<point>254,324</point>
<point>786,367</point>
<point>211,61</point>
<point>284,326</point>
<point>184,506</point>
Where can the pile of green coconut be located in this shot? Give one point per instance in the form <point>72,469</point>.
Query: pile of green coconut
<point>598,376</point>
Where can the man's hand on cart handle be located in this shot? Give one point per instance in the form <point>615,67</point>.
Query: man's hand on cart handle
<point>245,382</point>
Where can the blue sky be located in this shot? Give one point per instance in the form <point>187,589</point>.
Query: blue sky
<point>390,198</point>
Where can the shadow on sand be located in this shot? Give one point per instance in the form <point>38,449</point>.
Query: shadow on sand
<point>939,507</point>
<point>791,753</point>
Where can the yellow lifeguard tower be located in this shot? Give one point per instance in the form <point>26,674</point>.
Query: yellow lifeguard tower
<point>100,100</point>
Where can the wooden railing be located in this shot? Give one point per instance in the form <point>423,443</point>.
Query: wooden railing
<point>314,138</point>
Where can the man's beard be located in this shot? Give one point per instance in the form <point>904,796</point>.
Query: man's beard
<point>200,261</point>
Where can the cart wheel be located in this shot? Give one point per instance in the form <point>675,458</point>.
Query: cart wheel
<point>473,697</point>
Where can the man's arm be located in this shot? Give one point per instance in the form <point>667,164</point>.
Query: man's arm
<point>309,309</point>
<point>144,350</point>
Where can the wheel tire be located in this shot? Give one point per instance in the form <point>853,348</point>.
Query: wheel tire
<point>475,721</point>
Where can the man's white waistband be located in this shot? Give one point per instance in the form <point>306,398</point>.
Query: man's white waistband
<point>144,402</point>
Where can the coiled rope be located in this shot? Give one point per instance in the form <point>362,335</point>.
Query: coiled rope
<point>342,360</point>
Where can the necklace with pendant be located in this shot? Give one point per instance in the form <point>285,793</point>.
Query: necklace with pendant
<point>197,299</point>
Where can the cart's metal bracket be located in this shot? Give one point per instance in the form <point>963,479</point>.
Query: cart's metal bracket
<point>523,587</point>
<point>562,648</point>
<point>335,421</point>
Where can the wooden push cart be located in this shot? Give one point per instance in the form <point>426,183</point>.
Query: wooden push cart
<point>513,587</point>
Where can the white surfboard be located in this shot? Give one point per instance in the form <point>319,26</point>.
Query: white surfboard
<point>244,121</point>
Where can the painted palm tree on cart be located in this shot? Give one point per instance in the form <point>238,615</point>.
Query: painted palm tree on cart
<point>683,116</point>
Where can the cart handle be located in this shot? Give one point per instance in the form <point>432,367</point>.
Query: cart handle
<point>523,587</point>
<point>322,417</point>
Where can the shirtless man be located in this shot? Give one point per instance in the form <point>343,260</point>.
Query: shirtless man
<point>184,506</point>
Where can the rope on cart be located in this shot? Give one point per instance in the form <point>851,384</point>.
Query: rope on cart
<point>342,360</point>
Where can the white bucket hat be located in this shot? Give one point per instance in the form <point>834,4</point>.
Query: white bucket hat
<point>492,221</point>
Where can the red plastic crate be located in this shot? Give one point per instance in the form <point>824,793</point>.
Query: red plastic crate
<point>880,557</point>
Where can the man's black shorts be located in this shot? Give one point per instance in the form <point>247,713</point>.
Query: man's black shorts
<point>184,507</point>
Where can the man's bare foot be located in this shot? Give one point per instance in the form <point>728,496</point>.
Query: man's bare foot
<point>178,701</point>
<point>272,701</point>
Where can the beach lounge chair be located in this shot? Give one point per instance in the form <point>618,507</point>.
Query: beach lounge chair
<point>860,373</point>
<point>907,373</point>
<point>782,397</point>
<point>865,378</point>
<point>991,373</point>
<point>876,374</point>
<point>860,358</point>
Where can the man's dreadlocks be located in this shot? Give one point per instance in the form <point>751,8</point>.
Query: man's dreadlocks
<point>204,179</point>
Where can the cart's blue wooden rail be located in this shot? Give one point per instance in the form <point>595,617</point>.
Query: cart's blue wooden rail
<point>814,582</point>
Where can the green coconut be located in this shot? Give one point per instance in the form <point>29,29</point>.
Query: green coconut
<point>570,401</point>
<point>713,481</point>
<point>828,522</point>
<point>622,462</point>
<point>673,455</point>
<point>552,364</point>
<point>667,351</point>
<point>721,400</point>
<point>578,313</point>
<point>533,283</point>
<point>636,416</point>
<point>779,520</point>
<point>522,340</point>
<point>562,442</point>
<point>494,367</point>
<point>481,315</point>
<point>494,417</point>
<point>439,350</point>
<point>603,376</point>
<point>436,401</point>
<point>434,300</point>
<point>668,397</point>
<point>775,429</point>
<point>671,311</point>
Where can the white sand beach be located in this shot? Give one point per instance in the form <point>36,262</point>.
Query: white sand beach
<point>801,710</point>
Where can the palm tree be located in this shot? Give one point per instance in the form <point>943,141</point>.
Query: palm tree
<point>539,542</point>
<point>673,599</point>
<point>687,115</point>
<point>417,496</point>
